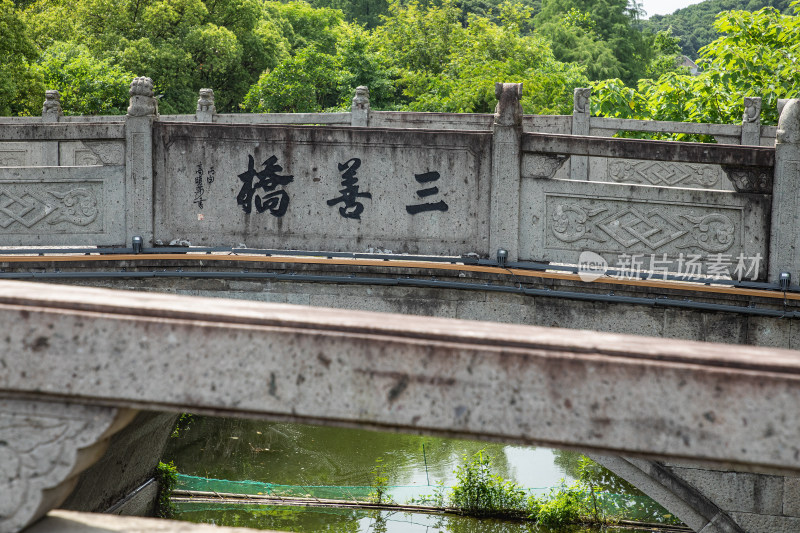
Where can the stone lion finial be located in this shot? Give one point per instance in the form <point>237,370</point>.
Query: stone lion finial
<point>361,99</point>
<point>581,98</point>
<point>752,110</point>
<point>205,106</point>
<point>205,102</point>
<point>51,109</point>
<point>142,102</point>
<point>509,108</point>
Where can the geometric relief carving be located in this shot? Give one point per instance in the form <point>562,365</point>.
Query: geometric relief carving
<point>107,152</point>
<point>663,173</point>
<point>26,206</point>
<point>644,226</point>
<point>43,446</point>
<point>13,158</point>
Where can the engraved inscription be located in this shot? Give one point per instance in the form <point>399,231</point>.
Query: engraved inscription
<point>662,173</point>
<point>641,226</point>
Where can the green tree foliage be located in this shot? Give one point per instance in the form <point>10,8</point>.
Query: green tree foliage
<point>756,55</point>
<point>693,25</point>
<point>88,86</point>
<point>608,29</point>
<point>20,87</point>
<point>442,66</point>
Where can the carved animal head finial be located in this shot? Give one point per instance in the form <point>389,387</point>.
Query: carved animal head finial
<point>52,104</point>
<point>752,109</point>
<point>361,98</point>
<point>205,101</point>
<point>142,101</point>
<point>509,108</point>
<point>581,98</point>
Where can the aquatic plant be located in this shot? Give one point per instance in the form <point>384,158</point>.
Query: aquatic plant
<point>380,483</point>
<point>480,493</point>
<point>167,477</point>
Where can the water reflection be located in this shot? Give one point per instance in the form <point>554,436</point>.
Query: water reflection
<point>283,518</point>
<point>297,454</point>
<point>313,456</point>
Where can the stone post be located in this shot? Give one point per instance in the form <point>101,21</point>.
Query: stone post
<point>581,111</point>
<point>142,112</point>
<point>359,110</point>
<point>784,239</point>
<point>51,112</point>
<point>206,110</point>
<point>506,163</point>
<point>751,122</point>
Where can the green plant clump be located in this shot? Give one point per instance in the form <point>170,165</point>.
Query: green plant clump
<point>167,476</point>
<point>480,493</point>
<point>380,483</point>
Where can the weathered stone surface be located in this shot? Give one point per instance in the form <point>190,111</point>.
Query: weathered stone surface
<point>659,174</point>
<point>737,491</point>
<point>754,523</point>
<point>131,459</point>
<point>323,188</point>
<point>74,522</point>
<point>488,380</point>
<point>506,161</point>
<point>680,498</point>
<point>62,206</point>
<point>581,113</point>
<point>791,496</point>
<point>45,445</point>
<point>564,218</point>
<point>784,238</point>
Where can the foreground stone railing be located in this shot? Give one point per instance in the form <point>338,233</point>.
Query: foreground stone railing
<point>78,362</point>
<point>541,188</point>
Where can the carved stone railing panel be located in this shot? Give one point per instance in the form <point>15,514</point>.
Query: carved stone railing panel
<point>62,205</point>
<point>324,188</point>
<point>659,174</point>
<point>43,447</point>
<point>20,154</point>
<point>561,219</point>
<point>91,153</point>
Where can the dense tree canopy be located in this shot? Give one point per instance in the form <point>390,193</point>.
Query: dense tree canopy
<point>428,55</point>
<point>757,55</point>
<point>694,25</point>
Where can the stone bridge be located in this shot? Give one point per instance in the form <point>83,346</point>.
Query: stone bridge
<point>530,220</point>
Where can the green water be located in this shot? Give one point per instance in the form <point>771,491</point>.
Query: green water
<point>330,461</point>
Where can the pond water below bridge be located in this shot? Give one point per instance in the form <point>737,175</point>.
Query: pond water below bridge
<point>324,462</point>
